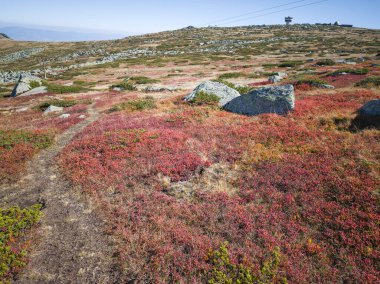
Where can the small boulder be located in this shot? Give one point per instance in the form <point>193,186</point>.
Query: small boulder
<point>24,84</point>
<point>52,109</point>
<point>275,99</point>
<point>64,115</point>
<point>225,93</point>
<point>275,79</point>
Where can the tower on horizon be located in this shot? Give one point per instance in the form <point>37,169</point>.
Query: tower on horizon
<point>288,20</point>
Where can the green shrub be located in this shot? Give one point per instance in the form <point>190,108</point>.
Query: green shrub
<point>135,105</point>
<point>10,138</point>
<point>310,81</point>
<point>362,71</point>
<point>203,98</point>
<point>125,86</point>
<point>231,75</point>
<point>325,62</point>
<point>140,80</point>
<point>58,103</point>
<point>225,272</point>
<point>370,82</point>
<point>59,89</point>
<point>34,84</point>
<point>290,63</point>
<point>14,224</point>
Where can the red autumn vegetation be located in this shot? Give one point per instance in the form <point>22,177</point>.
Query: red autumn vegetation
<point>303,187</point>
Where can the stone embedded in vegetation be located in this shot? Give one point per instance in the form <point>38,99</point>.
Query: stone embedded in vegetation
<point>52,109</point>
<point>225,93</point>
<point>274,79</point>
<point>279,99</point>
<point>25,84</point>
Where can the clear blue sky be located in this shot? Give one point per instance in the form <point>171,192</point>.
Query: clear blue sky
<point>141,16</point>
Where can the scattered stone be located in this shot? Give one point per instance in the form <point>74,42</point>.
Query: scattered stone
<point>151,89</point>
<point>82,116</point>
<point>52,109</point>
<point>69,84</point>
<point>325,86</point>
<point>225,93</point>
<point>65,115</point>
<point>22,109</point>
<point>277,99</point>
<point>275,79</point>
<point>117,89</point>
<point>23,84</point>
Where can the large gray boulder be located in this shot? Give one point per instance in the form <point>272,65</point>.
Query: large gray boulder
<point>275,99</point>
<point>372,108</point>
<point>23,84</point>
<point>224,92</point>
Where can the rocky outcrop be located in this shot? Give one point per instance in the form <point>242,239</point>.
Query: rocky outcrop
<point>278,99</point>
<point>225,93</point>
<point>24,84</point>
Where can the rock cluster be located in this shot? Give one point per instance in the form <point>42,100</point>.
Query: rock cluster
<point>20,54</point>
<point>275,99</point>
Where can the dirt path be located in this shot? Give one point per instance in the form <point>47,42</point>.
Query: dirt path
<point>72,247</point>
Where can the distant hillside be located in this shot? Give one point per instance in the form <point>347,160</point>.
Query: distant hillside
<point>33,34</point>
<point>4,36</point>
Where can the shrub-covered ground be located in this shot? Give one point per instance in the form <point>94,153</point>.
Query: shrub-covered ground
<point>307,185</point>
<point>194,194</point>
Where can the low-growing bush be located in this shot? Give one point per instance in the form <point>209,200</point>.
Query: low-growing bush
<point>325,62</point>
<point>125,86</point>
<point>58,103</point>
<point>59,89</point>
<point>362,71</point>
<point>140,80</point>
<point>34,84</point>
<point>204,98</point>
<point>17,147</point>
<point>370,82</point>
<point>135,105</point>
<point>310,81</point>
<point>231,75</point>
<point>14,224</point>
<point>224,271</point>
<point>290,64</point>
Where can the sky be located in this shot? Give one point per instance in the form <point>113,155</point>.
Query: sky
<point>145,16</point>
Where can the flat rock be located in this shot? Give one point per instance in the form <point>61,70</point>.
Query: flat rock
<point>275,99</point>
<point>225,93</point>
<point>52,109</point>
<point>35,91</point>
<point>65,115</point>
